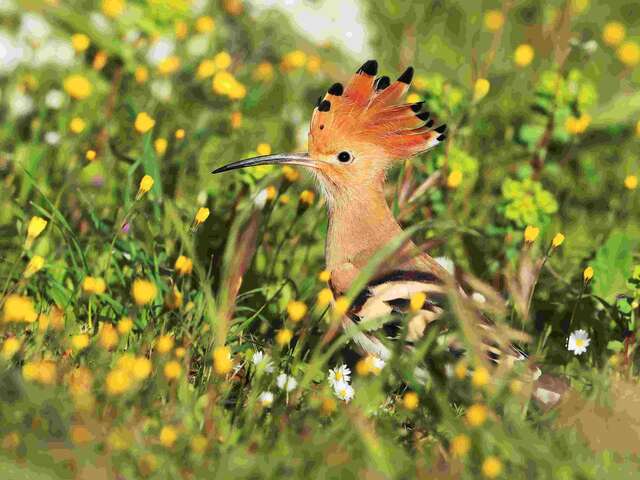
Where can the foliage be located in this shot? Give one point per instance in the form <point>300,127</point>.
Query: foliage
<point>136,289</point>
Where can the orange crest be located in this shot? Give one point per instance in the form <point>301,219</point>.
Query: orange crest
<point>367,112</point>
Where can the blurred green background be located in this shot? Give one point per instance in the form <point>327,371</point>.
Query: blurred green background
<point>543,108</point>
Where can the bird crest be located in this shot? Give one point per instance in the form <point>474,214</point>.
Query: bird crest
<point>368,111</point>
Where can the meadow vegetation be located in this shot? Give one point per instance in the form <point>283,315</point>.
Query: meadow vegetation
<point>157,321</point>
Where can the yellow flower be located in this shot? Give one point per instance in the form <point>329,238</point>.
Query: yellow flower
<point>206,68</point>
<point>491,467</point>
<point>576,126</point>
<point>480,377</point>
<point>146,183</point>
<point>477,414</point>
<point>160,145</point>
<point>35,228</point>
<point>493,20</point>
<point>290,173</point>
<point>173,300</point>
<point>118,381</point>
<point>80,42</point>
<point>113,8</point>
<point>481,89</point>
<point>35,265</point>
<point>454,179</point>
<point>172,370</point>
<point>80,341</point>
<point>56,319</point>
<point>223,82</point>
<point>147,464</point>
<point>613,33</point>
<point>183,265</point>
<point>515,386</point>
<point>324,297</point>
<point>417,301</point>
<point>237,92</point>
<point>460,445</point>
<point>587,274</point>
<point>222,362</point>
<point>236,120</point>
<point>141,368</point>
<point>631,182</point>
<point>460,370</point>
<point>126,362</point>
<point>201,215</point>
<point>143,291</point>
<point>557,240</point>
<point>222,60</point>
<point>180,133</point>
<point>10,347</point>
<point>77,86</point>
<point>93,285</point>
<point>294,59</point>
<point>284,199</point>
<point>18,308</point>
<point>100,60</point>
<point>181,29</point>
<point>77,125</point>
<point>313,63</point>
<point>125,325</point>
<point>341,306</point>
<point>523,55</point>
<point>263,149</point>
<point>296,310</point>
<point>307,197</point>
<point>80,435</point>
<point>413,98</point>
<point>284,336</point>
<point>144,122</point>
<point>410,400</point>
<point>205,24</point>
<point>169,65</point>
<point>629,53</point>
<point>199,444</point>
<point>233,7</point>
<point>328,406</point>
<point>141,74</point>
<point>531,233</point>
<point>168,436</point>
<point>43,371</point>
<point>119,439</point>
<point>108,336</point>
<point>180,352</point>
<point>263,72</point>
<point>324,276</point>
<point>271,192</point>
<point>90,155</point>
<point>638,129</point>
<point>164,344</point>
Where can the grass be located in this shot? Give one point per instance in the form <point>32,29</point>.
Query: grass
<point>117,360</point>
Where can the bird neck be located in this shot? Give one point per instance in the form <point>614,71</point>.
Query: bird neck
<point>360,223</point>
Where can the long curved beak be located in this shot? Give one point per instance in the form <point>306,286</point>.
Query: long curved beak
<point>281,159</point>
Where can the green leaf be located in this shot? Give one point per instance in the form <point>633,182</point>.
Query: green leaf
<point>615,346</point>
<point>612,265</point>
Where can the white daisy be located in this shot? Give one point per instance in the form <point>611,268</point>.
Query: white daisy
<point>52,138</point>
<point>259,358</point>
<point>340,374</point>
<point>578,342</point>
<point>343,391</point>
<point>54,99</point>
<point>266,399</point>
<point>286,382</point>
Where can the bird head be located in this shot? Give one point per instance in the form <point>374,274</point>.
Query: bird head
<point>358,131</point>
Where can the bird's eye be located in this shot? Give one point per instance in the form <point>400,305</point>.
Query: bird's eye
<point>344,157</point>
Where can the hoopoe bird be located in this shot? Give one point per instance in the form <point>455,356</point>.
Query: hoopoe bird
<point>357,132</point>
